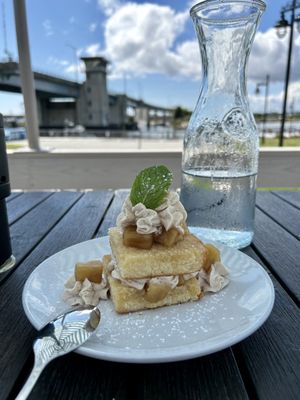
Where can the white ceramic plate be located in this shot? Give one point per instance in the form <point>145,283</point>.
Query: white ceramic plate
<point>166,334</point>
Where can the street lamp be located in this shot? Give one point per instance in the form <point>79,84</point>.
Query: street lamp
<point>281,26</point>
<point>257,91</point>
<point>281,29</point>
<point>76,66</point>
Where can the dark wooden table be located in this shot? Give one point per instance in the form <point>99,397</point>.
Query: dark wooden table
<point>264,366</point>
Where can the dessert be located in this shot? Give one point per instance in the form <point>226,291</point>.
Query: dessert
<point>88,284</point>
<point>155,260</point>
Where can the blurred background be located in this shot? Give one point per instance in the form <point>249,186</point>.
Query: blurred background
<point>115,69</point>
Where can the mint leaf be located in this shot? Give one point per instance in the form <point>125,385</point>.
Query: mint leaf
<point>150,187</point>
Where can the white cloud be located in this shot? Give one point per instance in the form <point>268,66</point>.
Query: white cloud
<point>140,39</point>
<point>275,100</point>
<point>92,50</point>
<point>47,25</point>
<point>92,27</point>
<point>109,6</point>
<point>56,61</point>
<point>79,67</point>
<point>72,20</point>
<point>269,56</point>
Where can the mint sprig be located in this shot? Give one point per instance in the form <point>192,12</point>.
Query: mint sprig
<point>151,186</point>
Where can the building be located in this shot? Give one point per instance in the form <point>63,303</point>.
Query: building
<point>63,103</point>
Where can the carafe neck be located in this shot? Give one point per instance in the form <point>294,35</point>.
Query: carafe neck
<point>225,45</point>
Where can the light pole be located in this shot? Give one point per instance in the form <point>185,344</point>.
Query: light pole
<point>257,91</point>
<point>281,29</point>
<point>75,60</point>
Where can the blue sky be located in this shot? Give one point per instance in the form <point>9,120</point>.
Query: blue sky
<point>163,68</point>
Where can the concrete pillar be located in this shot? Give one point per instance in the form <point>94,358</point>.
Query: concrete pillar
<point>93,103</point>
<point>27,81</point>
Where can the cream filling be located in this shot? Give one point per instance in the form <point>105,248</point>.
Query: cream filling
<point>139,284</point>
<point>86,292</point>
<point>214,281</point>
<point>170,213</point>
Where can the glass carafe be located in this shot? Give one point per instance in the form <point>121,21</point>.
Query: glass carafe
<point>220,157</point>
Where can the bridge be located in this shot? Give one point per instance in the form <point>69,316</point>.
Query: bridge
<point>84,103</point>
<point>45,85</point>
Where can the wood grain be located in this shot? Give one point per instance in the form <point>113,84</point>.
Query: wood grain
<point>282,212</point>
<point>112,213</point>
<point>20,206</point>
<point>77,377</point>
<point>292,197</point>
<point>13,195</point>
<point>271,355</point>
<point>212,377</point>
<point>280,250</point>
<point>16,333</point>
<point>32,228</point>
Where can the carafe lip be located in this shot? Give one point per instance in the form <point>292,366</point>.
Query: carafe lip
<point>261,5</point>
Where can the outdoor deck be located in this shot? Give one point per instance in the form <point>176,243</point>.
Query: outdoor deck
<point>264,366</point>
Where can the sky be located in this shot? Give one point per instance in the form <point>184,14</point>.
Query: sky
<point>151,46</point>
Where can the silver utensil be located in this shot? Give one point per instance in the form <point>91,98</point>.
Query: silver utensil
<point>60,336</point>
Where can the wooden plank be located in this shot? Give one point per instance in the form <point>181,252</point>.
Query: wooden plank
<point>185,380</point>
<point>30,230</point>
<point>78,377</point>
<point>282,212</point>
<point>79,224</point>
<point>271,357</point>
<point>25,203</point>
<point>13,195</point>
<point>212,377</point>
<point>280,250</point>
<point>292,197</point>
<point>113,212</point>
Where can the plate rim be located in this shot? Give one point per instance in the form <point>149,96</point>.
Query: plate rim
<point>149,356</point>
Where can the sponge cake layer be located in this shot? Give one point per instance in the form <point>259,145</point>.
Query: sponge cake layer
<point>186,256</point>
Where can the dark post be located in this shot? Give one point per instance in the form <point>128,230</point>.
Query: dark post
<point>265,108</point>
<point>287,76</point>
<point>6,259</point>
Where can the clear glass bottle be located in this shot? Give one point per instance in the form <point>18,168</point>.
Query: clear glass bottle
<point>220,157</point>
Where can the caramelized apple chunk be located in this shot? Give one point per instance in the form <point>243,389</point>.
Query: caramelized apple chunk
<point>168,238</point>
<point>133,239</point>
<point>92,270</point>
<point>212,256</point>
<point>181,280</point>
<point>155,292</point>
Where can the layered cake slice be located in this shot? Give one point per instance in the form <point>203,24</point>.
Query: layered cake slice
<point>155,260</point>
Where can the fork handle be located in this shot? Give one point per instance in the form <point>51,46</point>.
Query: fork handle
<point>31,381</point>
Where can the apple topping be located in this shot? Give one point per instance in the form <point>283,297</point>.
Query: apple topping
<point>212,256</point>
<point>168,238</point>
<point>155,292</point>
<point>92,270</point>
<point>133,239</point>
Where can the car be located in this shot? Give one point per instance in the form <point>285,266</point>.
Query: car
<point>14,134</point>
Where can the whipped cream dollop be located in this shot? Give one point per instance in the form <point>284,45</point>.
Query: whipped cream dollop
<point>215,280</point>
<point>86,292</point>
<point>170,213</point>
